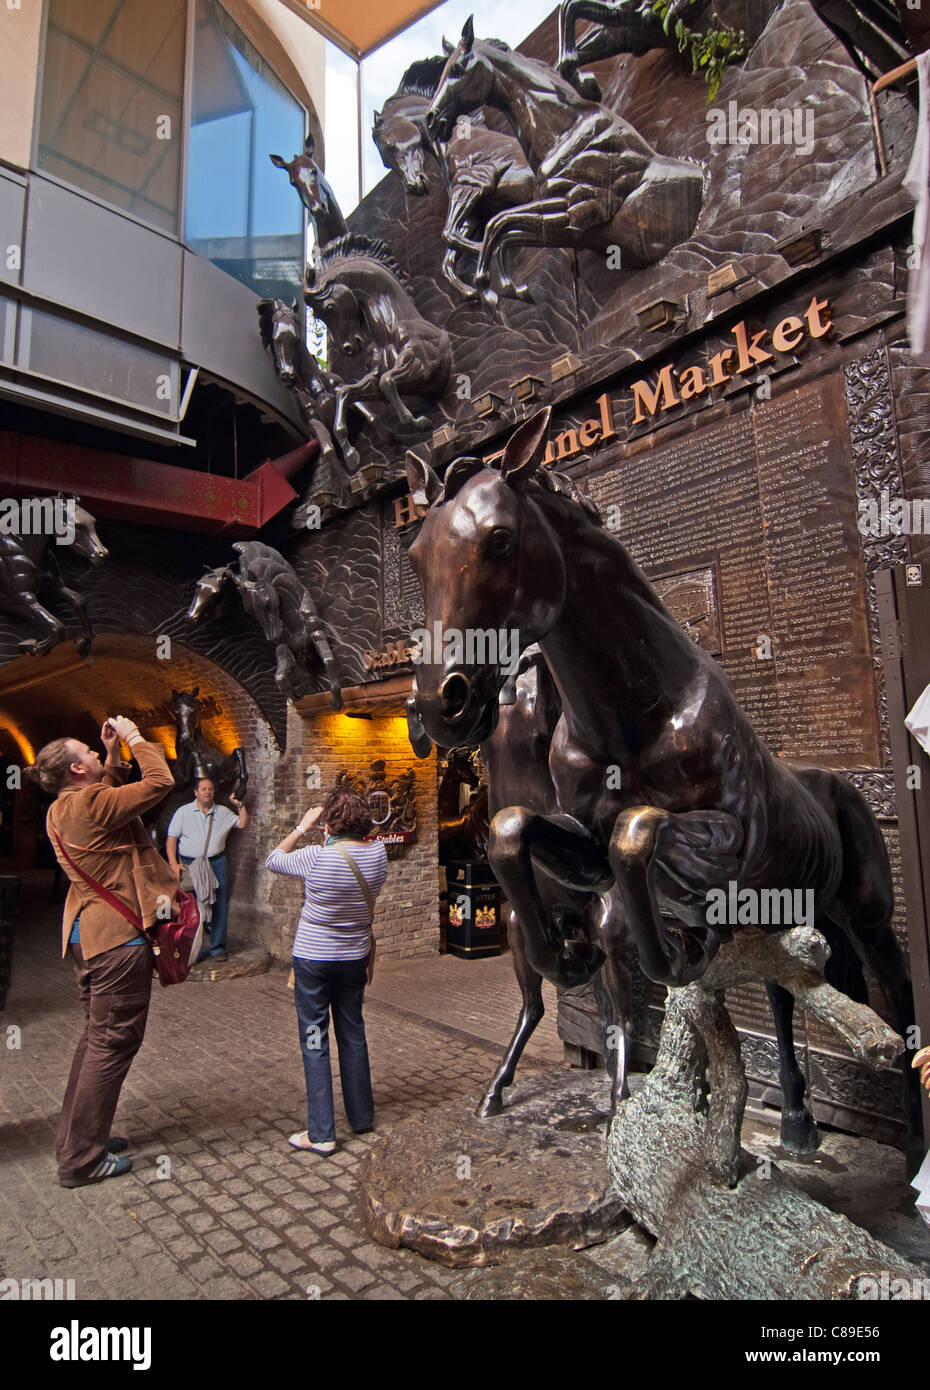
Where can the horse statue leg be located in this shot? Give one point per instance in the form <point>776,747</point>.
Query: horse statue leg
<point>28,606</point>
<point>530,982</point>
<point>799,1133</point>
<point>570,854</point>
<point>388,386</point>
<point>530,225</point>
<point>79,604</point>
<point>614,987</point>
<point>694,851</point>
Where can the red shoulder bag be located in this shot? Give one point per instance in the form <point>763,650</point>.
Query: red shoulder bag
<point>175,944</point>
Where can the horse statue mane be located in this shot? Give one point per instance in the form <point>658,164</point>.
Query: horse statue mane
<point>422,77</point>
<point>353,244</point>
<point>548,478</point>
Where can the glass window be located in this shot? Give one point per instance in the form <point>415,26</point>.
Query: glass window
<point>110,119</point>
<point>242,213</point>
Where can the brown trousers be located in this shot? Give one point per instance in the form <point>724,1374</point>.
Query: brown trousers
<point>116,987</point>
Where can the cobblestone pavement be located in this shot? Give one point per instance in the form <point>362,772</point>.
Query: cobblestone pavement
<point>218,1206</point>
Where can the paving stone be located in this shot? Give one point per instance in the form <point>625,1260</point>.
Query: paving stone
<point>284,1260</point>
<point>262,1239</point>
<point>354,1277</point>
<point>269,1284</point>
<point>201,1221</point>
<point>222,1241</point>
<point>240,1220</point>
<point>243,1263</point>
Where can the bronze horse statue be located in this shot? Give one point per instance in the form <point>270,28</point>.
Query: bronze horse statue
<point>298,370</point>
<point>463,834</point>
<point>598,182</point>
<point>362,295</point>
<point>663,789</point>
<point>314,192</point>
<point>195,758</point>
<point>483,170</point>
<point>516,757</point>
<point>272,594</point>
<point>29,570</point>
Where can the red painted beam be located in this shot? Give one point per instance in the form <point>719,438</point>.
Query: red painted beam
<point>156,494</point>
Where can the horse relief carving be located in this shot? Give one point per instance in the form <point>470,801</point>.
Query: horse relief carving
<point>362,295</point>
<point>598,182</point>
<point>484,171</point>
<point>272,594</point>
<point>30,574</point>
<point>314,192</point>
<point>281,329</point>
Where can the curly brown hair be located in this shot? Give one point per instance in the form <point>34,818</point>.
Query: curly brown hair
<point>344,813</point>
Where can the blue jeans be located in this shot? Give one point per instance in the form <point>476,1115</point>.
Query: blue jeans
<point>337,985</point>
<point>217,924</point>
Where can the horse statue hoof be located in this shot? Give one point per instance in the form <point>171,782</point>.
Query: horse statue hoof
<point>587,86</point>
<point>799,1134</point>
<point>350,456</point>
<point>490,1105</point>
<point>490,298</point>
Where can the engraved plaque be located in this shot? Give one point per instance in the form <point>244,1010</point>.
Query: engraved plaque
<point>771,494</point>
<point>401,600</point>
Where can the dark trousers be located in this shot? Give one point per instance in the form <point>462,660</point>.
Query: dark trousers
<point>115,987</point>
<point>321,986</point>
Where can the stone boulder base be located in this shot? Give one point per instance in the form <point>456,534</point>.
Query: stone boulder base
<point>465,1191</point>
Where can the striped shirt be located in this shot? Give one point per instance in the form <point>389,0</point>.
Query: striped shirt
<point>334,921</point>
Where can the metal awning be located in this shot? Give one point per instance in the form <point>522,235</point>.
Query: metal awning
<point>358,27</point>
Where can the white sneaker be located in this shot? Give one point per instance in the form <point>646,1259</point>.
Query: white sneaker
<point>302,1141</point>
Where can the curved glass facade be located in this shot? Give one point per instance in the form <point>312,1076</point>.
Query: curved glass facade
<point>242,213</point>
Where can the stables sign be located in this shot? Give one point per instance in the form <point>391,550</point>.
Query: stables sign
<point>748,354</point>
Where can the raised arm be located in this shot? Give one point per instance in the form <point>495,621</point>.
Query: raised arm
<point>116,806</point>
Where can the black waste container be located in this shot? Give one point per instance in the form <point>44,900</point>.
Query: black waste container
<point>473,909</point>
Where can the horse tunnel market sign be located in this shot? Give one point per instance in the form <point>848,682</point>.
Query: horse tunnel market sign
<point>749,354</point>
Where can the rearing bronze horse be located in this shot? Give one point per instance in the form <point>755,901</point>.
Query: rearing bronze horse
<point>664,790</point>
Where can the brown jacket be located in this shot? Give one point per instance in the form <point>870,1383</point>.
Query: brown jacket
<point>100,827</point>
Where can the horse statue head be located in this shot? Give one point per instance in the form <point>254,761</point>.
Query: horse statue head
<point>493,576</point>
<point>279,326</point>
<point>352,272</point>
<point>86,542</point>
<point>465,85</point>
<point>398,130</point>
<point>314,191</point>
<point>208,589</point>
<point>186,711</point>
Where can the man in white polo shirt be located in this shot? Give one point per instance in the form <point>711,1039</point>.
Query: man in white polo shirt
<point>200,825</point>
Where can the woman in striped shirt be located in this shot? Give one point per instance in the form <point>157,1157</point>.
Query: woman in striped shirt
<point>331,954</point>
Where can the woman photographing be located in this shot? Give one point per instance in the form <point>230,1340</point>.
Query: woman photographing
<point>332,950</point>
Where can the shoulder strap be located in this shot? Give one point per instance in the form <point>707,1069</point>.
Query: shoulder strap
<point>110,898</point>
<point>206,843</point>
<point>362,881</point>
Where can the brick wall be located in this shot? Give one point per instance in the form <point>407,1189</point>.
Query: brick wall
<point>407,915</point>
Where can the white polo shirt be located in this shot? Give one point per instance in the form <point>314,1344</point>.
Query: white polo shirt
<point>189,824</point>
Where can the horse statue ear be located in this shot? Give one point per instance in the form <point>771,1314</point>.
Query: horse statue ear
<point>309,145</point>
<point>277,161</point>
<point>447,47</point>
<point>468,33</point>
<point>424,483</point>
<point>525,449</point>
<point>376,120</point>
<point>195,692</point>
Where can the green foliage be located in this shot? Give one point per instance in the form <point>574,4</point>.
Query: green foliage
<point>711,51</point>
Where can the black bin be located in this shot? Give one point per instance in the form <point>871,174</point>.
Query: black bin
<point>473,909</point>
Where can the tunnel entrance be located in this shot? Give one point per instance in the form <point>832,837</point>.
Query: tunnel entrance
<point>65,695</point>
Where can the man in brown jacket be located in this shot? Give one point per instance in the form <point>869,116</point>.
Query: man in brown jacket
<point>97,820</point>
